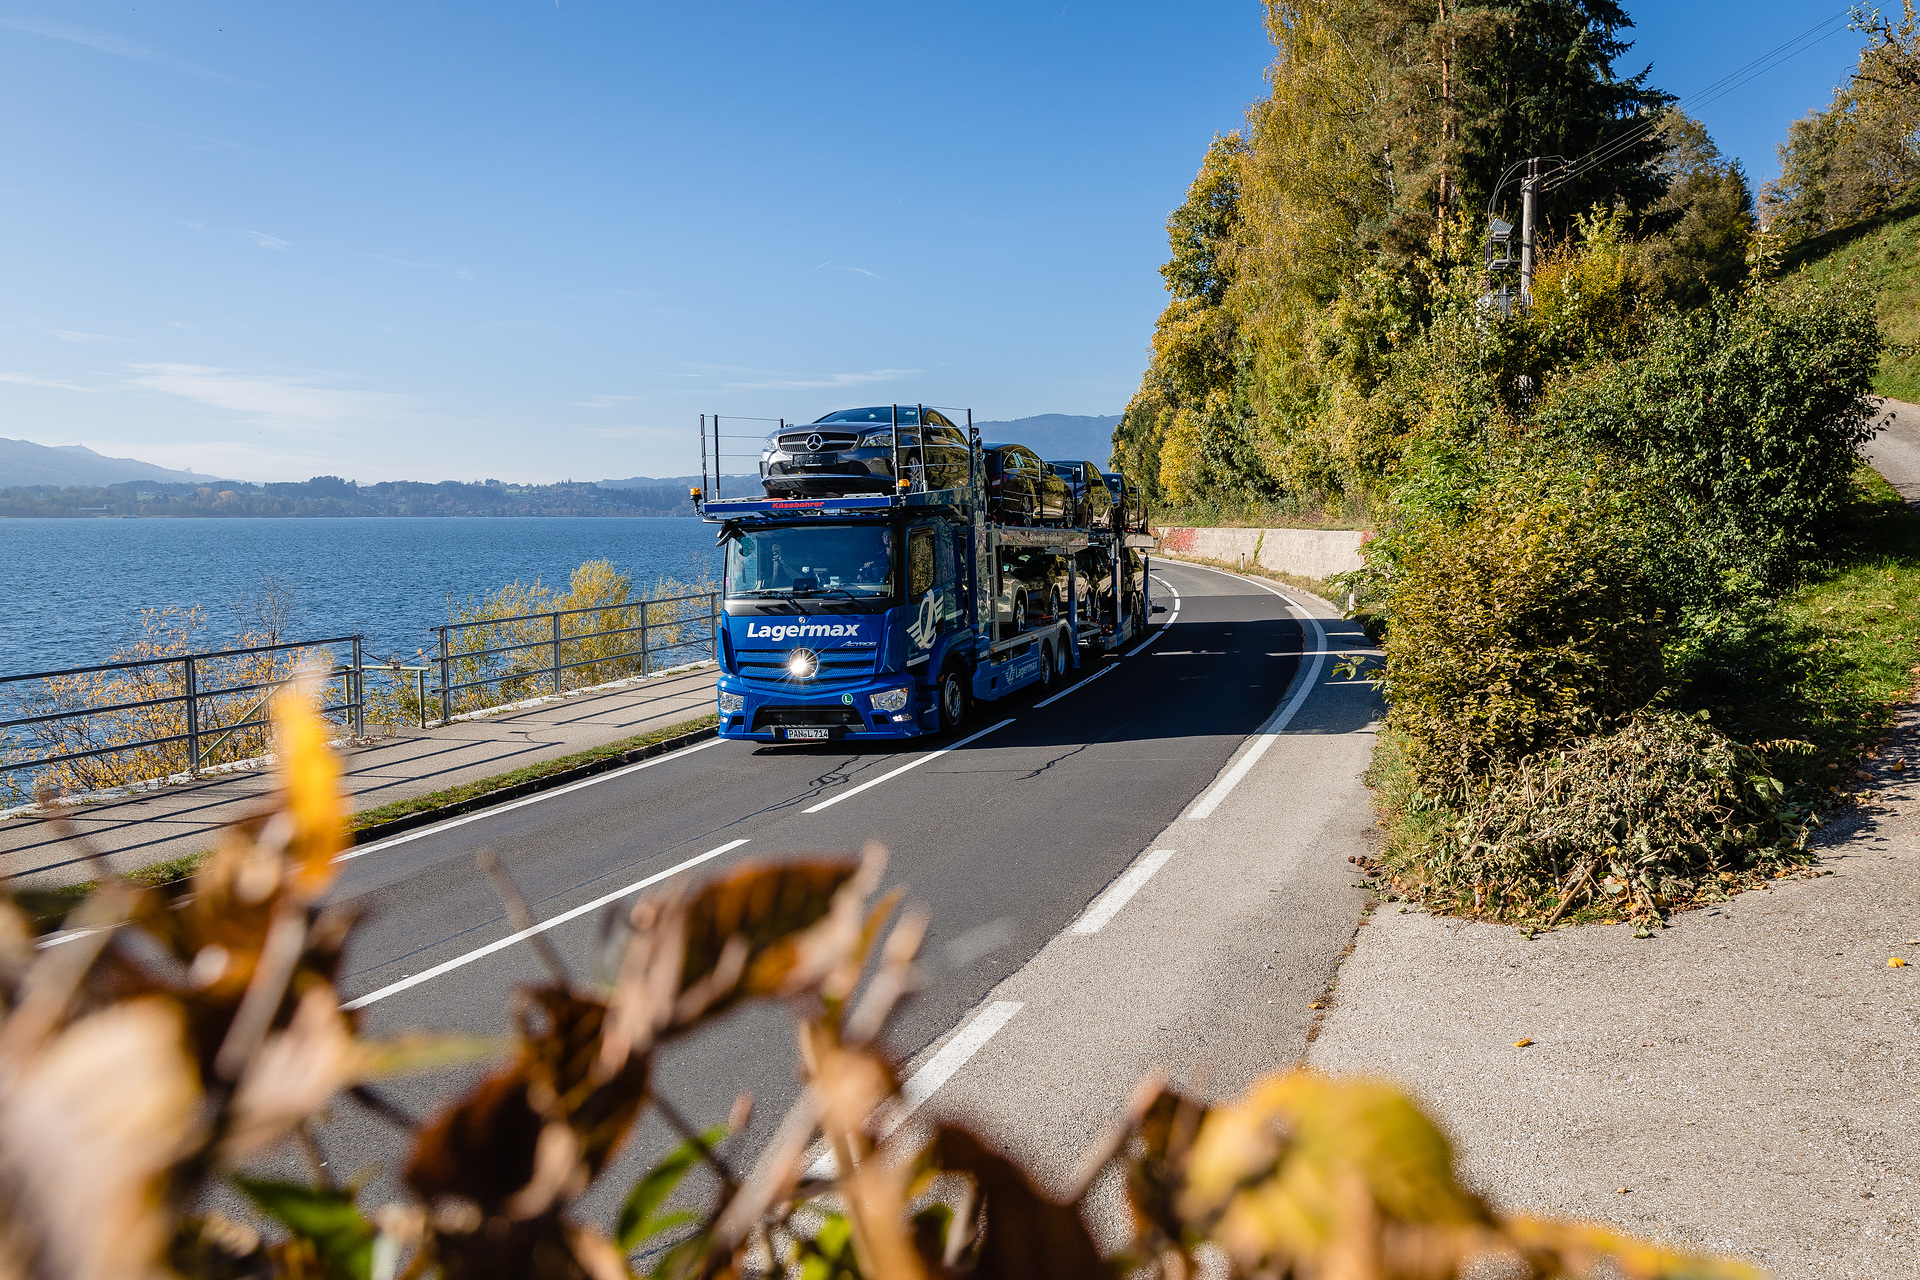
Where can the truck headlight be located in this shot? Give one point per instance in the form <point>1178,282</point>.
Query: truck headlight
<point>891,700</point>
<point>731,703</point>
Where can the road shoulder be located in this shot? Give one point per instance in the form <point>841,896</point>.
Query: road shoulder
<point>1746,1075</point>
<point>1208,970</point>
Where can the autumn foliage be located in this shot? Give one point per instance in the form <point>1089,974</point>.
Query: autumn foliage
<point>164,1036</point>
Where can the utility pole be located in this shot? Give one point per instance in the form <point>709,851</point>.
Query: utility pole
<point>1528,186</point>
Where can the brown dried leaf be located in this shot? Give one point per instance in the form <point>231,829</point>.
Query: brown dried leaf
<point>88,1126</point>
<point>1027,1235</point>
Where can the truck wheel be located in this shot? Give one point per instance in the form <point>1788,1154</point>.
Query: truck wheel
<point>1020,612</point>
<point>1060,662</point>
<point>953,699</point>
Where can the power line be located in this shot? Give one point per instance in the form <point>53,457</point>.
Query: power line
<point>1726,84</point>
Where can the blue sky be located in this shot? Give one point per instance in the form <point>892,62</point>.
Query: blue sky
<point>534,240</point>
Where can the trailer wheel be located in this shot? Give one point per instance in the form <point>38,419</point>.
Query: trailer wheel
<point>1053,605</point>
<point>1046,666</point>
<point>953,699</point>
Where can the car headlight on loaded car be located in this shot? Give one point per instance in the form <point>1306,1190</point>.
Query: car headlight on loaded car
<point>731,703</point>
<point>877,440</point>
<point>891,700</point>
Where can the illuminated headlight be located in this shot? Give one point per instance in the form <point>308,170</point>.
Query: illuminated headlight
<point>891,700</point>
<point>803,664</point>
<point>731,703</point>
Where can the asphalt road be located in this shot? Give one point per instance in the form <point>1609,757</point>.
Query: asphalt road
<point>1004,840</point>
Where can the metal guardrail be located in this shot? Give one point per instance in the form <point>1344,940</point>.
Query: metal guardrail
<point>700,610</point>
<point>193,696</point>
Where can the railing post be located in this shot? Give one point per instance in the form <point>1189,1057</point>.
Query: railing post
<point>713,622</point>
<point>193,721</point>
<point>422,700</point>
<point>446,696</point>
<point>556,655</point>
<point>359,678</point>
<point>646,662</point>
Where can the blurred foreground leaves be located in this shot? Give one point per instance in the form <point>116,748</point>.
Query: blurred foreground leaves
<point>163,1037</point>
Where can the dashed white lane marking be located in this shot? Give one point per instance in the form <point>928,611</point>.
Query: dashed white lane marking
<point>495,811</point>
<point>939,1069</point>
<point>448,966</point>
<point>1108,904</point>
<point>911,764</point>
<point>1204,807</point>
<point>1070,688</point>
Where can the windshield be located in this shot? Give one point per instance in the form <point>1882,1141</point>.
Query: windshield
<point>845,560</point>
<point>880,413</point>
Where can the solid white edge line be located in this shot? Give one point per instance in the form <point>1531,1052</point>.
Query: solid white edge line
<point>1107,905</point>
<point>447,966</point>
<point>911,764</point>
<point>1304,684</point>
<point>1171,619</point>
<point>1070,688</point>
<point>494,811</point>
<point>939,1069</point>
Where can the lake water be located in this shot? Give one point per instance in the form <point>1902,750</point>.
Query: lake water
<point>73,589</point>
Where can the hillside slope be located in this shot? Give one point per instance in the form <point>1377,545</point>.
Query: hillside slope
<point>1886,250</point>
<point>22,462</point>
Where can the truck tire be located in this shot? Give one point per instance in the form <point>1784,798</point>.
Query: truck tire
<point>1047,665</point>
<point>953,699</point>
<point>1053,605</point>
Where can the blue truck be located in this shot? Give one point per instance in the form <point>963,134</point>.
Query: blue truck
<point>888,615</point>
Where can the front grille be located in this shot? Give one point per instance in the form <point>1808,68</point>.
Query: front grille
<point>837,666</point>
<point>807,717</point>
<point>830,441</point>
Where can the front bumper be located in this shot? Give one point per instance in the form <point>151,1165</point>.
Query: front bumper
<point>779,713</point>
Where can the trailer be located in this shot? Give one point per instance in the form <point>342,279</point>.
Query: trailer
<point>890,615</point>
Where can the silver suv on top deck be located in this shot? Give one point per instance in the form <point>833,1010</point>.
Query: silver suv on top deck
<point>851,451</point>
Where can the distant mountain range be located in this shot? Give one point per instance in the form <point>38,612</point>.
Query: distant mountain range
<point>22,462</point>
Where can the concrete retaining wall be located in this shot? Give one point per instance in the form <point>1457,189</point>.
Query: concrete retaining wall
<point>1308,553</point>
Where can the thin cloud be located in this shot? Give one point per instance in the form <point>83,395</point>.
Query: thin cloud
<point>260,238</point>
<point>28,380</point>
<point>74,335</point>
<point>846,267</point>
<point>458,273</point>
<point>823,381</point>
<point>118,46</point>
<point>199,141</point>
<point>603,402</point>
<point>291,401</point>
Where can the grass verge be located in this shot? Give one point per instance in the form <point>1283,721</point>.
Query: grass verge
<point>47,907</point>
<point>529,773</point>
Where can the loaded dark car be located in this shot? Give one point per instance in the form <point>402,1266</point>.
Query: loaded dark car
<point>1021,489</point>
<point>1092,503</point>
<point>852,452</point>
<point>1129,505</point>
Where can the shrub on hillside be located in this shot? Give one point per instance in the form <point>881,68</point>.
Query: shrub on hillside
<point>1751,410</point>
<point>1522,625</point>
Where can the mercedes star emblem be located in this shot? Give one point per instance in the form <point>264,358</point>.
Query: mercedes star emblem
<point>814,442</point>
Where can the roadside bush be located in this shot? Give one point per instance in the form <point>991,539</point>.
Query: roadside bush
<point>1518,627</point>
<point>1751,411</point>
<point>1662,811</point>
<point>181,1034</point>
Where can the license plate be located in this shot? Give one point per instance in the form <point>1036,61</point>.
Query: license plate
<point>809,735</point>
<point>815,459</point>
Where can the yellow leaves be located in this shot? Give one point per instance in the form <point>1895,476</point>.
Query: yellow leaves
<point>1304,1166</point>
<point>1522,1043</point>
<point>310,781</point>
<point>1895,962</point>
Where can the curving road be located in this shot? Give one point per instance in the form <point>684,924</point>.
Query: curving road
<point>1005,836</point>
